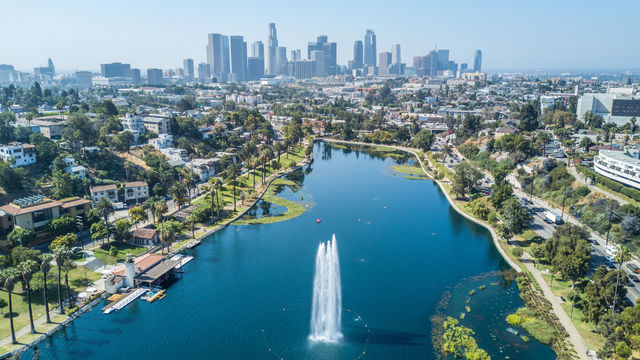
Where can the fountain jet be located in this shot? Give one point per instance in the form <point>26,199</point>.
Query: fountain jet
<point>326,312</point>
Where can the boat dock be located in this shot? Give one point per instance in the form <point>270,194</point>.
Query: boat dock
<point>126,299</point>
<point>181,260</point>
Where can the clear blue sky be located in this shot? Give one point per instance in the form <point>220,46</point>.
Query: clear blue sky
<point>79,35</point>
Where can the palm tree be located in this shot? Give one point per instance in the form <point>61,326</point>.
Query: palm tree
<point>211,189</point>
<point>253,161</point>
<point>266,155</point>
<point>191,220</point>
<point>9,275</point>
<point>189,178</point>
<point>159,209</point>
<point>232,173</point>
<point>279,148</point>
<point>621,257</point>
<point>150,204</point>
<point>178,190</point>
<point>169,230</point>
<point>60,254</point>
<point>218,184</point>
<point>105,208</point>
<point>45,266</point>
<point>67,266</point>
<point>26,269</point>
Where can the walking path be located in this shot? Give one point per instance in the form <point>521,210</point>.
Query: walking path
<point>574,336</point>
<point>582,181</point>
<point>27,329</point>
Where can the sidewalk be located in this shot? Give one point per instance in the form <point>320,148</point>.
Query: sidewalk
<point>575,337</point>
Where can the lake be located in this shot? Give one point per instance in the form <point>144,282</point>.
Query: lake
<point>407,259</point>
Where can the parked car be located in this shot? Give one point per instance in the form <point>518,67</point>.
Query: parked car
<point>632,267</point>
<point>634,278</point>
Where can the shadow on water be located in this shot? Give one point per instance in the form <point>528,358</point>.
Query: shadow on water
<point>363,335</point>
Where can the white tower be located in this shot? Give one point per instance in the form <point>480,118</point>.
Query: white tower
<point>129,271</point>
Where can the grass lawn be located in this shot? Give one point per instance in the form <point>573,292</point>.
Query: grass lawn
<point>415,172</point>
<point>102,253</point>
<point>40,329</point>
<point>78,279</point>
<point>293,209</point>
<point>439,166</point>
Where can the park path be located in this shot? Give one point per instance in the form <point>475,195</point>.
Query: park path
<point>27,329</point>
<point>574,336</point>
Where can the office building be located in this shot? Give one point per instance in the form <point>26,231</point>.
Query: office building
<point>281,60</point>
<point>203,72</point>
<point>188,69</point>
<point>370,48</point>
<point>384,60</point>
<point>83,79</point>
<point>134,74</point>
<point>114,69</point>
<point>443,59</point>
<point>477,61</point>
<point>616,108</point>
<point>257,50</point>
<point>255,68</point>
<point>45,72</point>
<point>218,56</point>
<point>396,57</point>
<point>296,55</point>
<point>319,58</point>
<point>238,51</point>
<point>154,77</point>
<point>272,49</point>
<point>304,69</point>
<point>358,55</point>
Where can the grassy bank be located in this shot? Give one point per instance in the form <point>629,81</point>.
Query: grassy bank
<point>293,208</point>
<point>104,252</point>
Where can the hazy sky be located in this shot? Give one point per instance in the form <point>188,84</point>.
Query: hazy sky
<point>81,34</point>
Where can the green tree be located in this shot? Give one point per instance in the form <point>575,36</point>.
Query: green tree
<point>68,241</point>
<point>60,254</point>
<point>26,269</point>
<point>528,117</point>
<point>61,225</point>
<point>465,179</point>
<point>105,208</point>
<point>137,215</point>
<point>9,275</point>
<point>45,266</point>
<point>516,218</point>
<point>20,236</point>
<point>122,230</point>
<point>423,140</point>
<point>169,230</point>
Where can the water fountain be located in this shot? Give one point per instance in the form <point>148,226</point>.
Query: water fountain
<point>326,312</point>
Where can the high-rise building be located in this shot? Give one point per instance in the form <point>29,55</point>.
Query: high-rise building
<point>272,49</point>
<point>154,77</point>
<point>83,79</point>
<point>238,58</point>
<point>218,56</point>
<point>384,60</point>
<point>203,72</point>
<point>370,48</point>
<point>330,50</point>
<point>45,72</point>
<point>319,58</point>
<point>114,69</point>
<point>477,61</point>
<point>134,74</point>
<point>296,55</point>
<point>255,68</point>
<point>396,57</point>
<point>433,63</point>
<point>281,60</point>
<point>188,69</point>
<point>257,50</point>
<point>304,69</point>
<point>358,55</point>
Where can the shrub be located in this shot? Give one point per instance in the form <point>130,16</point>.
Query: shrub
<point>113,251</point>
<point>492,218</point>
<point>517,252</point>
<point>514,320</point>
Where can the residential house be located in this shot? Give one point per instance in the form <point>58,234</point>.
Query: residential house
<point>205,168</point>
<point>157,124</point>
<point>504,130</point>
<point>145,237</point>
<point>135,192</point>
<point>163,141</point>
<point>104,191</point>
<point>73,168</point>
<point>18,154</point>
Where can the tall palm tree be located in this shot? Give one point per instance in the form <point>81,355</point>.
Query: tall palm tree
<point>67,266</point>
<point>211,189</point>
<point>621,257</point>
<point>218,184</point>
<point>104,207</point>
<point>45,266</point>
<point>9,275</point>
<point>232,173</point>
<point>191,220</point>
<point>60,254</point>
<point>150,204</point>
<point>279,149</point>
<point>179,192</point>
<point>159,209</point>
<point>26,269</point>
<point>169,230</point>
<point>253,162</point>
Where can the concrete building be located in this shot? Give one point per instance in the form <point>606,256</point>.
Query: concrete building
<point>358,55</point>
<point>18,154</point>
<point>272,49</point>
<point>110,192</point>
<point>257,50</point>
<point>477,61</point>
<point>157,124</point>
<point>189,73</point>
<point>135,192</point>
<point>384,60</point>
<point>114,69</point>
<point>163,141</point>
<point>238,50</point>
<point>370,48</point>
<point>615,108</point>
<point>618,166</point>
<point>154,77</point>
<point>205,168</point>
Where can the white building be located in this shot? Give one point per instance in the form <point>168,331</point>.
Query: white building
<point>132,122</point>
<point>135,192</point>
<point>18,154</point>
<point>73,168</point>
<point>104,191</point>
<point>163,141</point>
<point>157,124</point>
<point>175,154</point>
<point>548,101</point>
<point>205,168</point>
<point>618,166</point>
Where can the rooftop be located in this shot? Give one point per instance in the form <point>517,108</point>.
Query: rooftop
<point>620,156</point>
<point>104,188</point>
<point>135,184</point>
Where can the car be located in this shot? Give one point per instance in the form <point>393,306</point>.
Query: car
<point>593,241</point>
<point>634,278</point>
<point>632,267</point>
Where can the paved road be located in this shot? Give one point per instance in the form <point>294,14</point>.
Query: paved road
<point>598,254</point>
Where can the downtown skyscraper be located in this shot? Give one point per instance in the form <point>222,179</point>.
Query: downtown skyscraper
<point>370,48</point>
<point>272,50</point>
<point>238,51</point>
<point>358,55</point>
<point>218,56</point>
<point>477,61</point>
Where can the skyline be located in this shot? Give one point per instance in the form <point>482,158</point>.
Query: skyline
<point>149,35</point>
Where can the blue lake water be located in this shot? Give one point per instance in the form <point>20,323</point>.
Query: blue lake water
<point>406,256</point>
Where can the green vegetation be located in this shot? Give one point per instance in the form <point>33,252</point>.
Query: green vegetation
<point>106,254</point>
<point>414,172</point>
<point>460,343</point>
<point>293,209</point>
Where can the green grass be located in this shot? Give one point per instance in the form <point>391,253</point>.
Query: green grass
<point>77,282</point>
<point>293,209</point>
<point>535,327</point>
<point>27,338</point>
<point>416,171</point>
<point>102,253</point>
<point>439,166</point>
